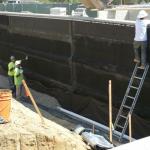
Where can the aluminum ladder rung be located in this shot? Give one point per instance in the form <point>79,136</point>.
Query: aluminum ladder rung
<point>134,87</point>
<point>141,68</point>
<point>123,116</point>
<point>131,97</point>
<point>119,126</point>
<point>126,106</point>
<point>137,77</point>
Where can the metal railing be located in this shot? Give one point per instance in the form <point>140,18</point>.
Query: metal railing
<point>35,8</point>
<point>41,8</point>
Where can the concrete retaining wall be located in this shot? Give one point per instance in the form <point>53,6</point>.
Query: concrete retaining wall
<point>78,55</point>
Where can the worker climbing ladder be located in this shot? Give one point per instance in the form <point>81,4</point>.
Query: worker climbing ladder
<point>130,99</point>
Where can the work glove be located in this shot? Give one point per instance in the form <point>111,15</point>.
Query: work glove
<point>21,70</point>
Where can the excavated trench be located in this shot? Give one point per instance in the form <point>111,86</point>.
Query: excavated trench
<point>92,108</point>
<point>73,62</point>
<point>69,100</point>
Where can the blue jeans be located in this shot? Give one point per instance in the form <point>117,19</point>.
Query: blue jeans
<point>140,51</point>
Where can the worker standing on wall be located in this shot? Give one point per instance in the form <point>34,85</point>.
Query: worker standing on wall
<point>140,39</point>
<point>18,77</point>
<point>11,68</point>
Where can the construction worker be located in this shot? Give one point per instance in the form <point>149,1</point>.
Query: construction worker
<point>11,68</point>
<point>140,39</point>
<point>18,77</point>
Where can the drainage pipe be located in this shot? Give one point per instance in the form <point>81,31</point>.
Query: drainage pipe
<point>91,122</point>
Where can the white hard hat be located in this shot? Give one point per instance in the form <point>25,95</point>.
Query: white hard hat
<point>142,14</point>
<point>17,62</point>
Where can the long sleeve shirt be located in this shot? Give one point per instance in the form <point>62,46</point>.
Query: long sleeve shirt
<point>11,68</point>
<point>18,76</point>
<point>141,29</point>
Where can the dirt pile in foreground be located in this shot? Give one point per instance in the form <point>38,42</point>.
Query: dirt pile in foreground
<point>26,132</point>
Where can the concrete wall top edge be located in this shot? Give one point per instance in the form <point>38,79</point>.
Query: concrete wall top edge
<point>70,18</point>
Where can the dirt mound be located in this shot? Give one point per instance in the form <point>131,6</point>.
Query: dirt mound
<point>26,132</point>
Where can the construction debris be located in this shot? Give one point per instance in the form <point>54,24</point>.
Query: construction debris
<point>94,140</point>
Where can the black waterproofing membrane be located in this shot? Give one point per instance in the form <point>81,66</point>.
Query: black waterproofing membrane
<point>75,58</point>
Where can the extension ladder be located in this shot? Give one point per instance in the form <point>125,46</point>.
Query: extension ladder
<point>130,99</point>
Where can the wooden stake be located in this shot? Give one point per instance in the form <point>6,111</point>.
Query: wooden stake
<point>32,100</point>
<point>130,128</point>
<point>93,129</point>
<point>110,111</point>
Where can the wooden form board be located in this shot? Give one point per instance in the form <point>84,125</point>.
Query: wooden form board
<point>93,4</point>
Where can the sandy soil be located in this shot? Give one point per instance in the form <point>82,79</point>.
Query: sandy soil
<point>26,132</point>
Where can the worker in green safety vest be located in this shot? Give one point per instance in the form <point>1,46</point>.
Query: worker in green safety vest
<point>18,77</point>
<point>11,68</point>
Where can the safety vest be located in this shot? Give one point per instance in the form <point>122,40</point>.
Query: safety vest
<point>18,76</point>
<point>11,68</point>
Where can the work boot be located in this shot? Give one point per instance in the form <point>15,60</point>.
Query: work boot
<point>136,60</point>
<point>142,67</point>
